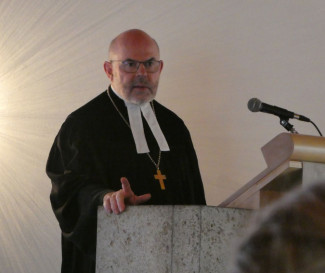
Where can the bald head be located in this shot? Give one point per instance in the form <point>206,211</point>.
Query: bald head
<point>133,38</point>
<point>129,48</point>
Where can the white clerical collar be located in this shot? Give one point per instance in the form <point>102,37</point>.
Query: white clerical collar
<point>135,119</point>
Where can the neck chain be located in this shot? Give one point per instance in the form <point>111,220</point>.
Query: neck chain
<point>125,121</point>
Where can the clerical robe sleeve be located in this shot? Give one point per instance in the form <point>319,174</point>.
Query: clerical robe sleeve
<point>196,188</point>
<point>75,193</point>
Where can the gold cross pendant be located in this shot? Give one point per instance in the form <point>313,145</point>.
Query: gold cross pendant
<point>161,179</point>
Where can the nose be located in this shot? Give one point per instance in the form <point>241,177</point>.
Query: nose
<point>141,69</point>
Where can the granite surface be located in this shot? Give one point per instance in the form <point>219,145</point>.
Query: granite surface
<point>168,239</point>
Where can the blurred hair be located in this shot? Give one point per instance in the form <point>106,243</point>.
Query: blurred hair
<point>288,236</point>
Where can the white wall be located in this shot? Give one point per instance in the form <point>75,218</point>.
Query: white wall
<point>218,55</point>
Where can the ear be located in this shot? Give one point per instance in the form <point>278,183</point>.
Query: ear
<point>108,70</point>
<point>161,65</point>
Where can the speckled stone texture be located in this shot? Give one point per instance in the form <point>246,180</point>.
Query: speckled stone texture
<point>168,239</point>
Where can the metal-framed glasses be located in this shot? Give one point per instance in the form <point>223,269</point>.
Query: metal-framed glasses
<point>132,66</point>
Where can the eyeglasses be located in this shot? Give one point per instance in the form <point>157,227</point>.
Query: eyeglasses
<point>132,66</point>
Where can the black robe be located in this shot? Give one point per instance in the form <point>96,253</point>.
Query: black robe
<point>92,151</point>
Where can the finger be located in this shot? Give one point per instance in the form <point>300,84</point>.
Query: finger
<point>126,186</point>
<point>113,203</point>
<point>142,198</point>
<point>107,204</point>
<point>120,201</point>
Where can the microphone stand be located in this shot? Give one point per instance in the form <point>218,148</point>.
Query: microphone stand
<point>289,127</point>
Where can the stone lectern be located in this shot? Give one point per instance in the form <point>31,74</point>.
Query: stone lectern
<point>168,239</point>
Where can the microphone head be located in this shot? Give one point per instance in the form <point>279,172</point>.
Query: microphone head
<point>254,105</point>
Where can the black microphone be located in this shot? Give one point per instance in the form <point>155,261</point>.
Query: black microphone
<point>255,105</point>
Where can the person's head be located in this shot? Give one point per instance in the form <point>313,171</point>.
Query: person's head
<point>289,236</point>
<point>134,82</point>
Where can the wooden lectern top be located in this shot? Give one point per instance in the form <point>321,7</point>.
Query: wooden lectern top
<point>294,147</point>
<point>284,155</point>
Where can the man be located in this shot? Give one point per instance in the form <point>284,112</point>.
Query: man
<point>122,148</point>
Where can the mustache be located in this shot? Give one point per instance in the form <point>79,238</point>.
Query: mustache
<point>141,81</point>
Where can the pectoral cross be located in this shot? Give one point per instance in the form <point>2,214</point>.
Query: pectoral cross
<point>161,179</point>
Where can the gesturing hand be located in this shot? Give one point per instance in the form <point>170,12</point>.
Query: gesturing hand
<point>116,201</point>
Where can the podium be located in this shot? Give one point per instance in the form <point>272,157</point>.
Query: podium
<point>292,160</point>
<point>201,239</point>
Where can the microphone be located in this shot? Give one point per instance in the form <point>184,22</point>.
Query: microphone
<point>255,105</point>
